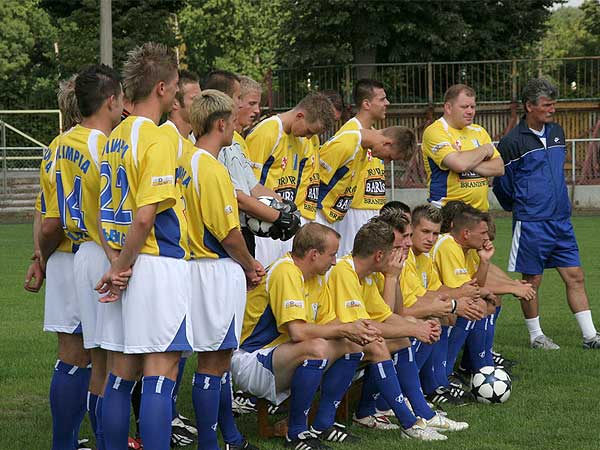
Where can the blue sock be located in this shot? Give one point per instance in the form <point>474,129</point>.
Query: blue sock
<point>368,395</point>
<point>381,403</point>
<point>408,377</point>
<point>336,382</point>
<point>427,376</point>
<point>422,353</point>
<point>99,428</point>
<point>229,429</point>
<point>456,341</point>
<point>476,343</point>
<point>206,393</point>
<point>155,412</point>
<point>68,395</point>
<point>116,406</point>
<point>387,383</point>
<point>491,331</point>
<point>92,401</point>
<point>440,358</point>
<point>180,372</point>
<point>304,385</point>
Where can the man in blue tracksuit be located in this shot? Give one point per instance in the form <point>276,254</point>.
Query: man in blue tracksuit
<point>534,189</point>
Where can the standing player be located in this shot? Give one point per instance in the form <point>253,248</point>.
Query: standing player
<point>221,266</point>
<point>71,377</point>
<point>534,189</point>
<point>459,155</point>
<point>276,148</point>
<point>142,217</point>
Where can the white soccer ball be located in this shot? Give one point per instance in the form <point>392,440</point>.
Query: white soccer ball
<point>491,385</point>
<point>260,227</point>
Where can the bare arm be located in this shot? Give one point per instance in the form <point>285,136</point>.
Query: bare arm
<point>361,331</point>
<point>430,304</point>
<point>490,168</point>
<point>253,207</point>
<point>396,326</point>
<point>260,190</point>
<point>110,252</point>
<point>50,236</point>
<point>34,278</point>
<point>235,246</point>
<point>464,161</point>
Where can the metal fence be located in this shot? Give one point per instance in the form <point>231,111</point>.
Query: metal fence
<point>577,78</point>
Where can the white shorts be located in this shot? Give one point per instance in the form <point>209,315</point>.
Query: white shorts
<point>61,308</point>
<point>349,226</point>
<point>320,218</point>
<point>218,303</point>
<point>90,264</point>
<point>156,306</point>
<point>268,250</point>
<point>253,374</point>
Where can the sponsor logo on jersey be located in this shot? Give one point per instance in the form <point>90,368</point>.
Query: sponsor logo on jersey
<point>436,148</point>
<point>315,310</point>
<point>293,304</point>
<point>353,304</point>
<point>162,180</point>
<point>342,204</point>
<point>374,187</point>
<point>228,209</point>
<point>284,162</point>
<point>460,271</point>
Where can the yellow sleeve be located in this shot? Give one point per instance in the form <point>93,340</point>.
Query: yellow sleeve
<point>334,153</point>
<point>437,145</point>
<point>38,202</point>
<point>218,203</point>
<point>326,308</point>
<point>433,279</point>
<point>451,266</point>
<point>157,180</point>
<point>286,296</point>
<point>48,184</point>
<point>472,262</point>
<point>347,294</point>
<point>486,139</point>
<point>410,285</point>
<point>377,308</point>
<point>260,143</point>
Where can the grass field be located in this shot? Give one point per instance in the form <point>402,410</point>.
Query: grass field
<point>554,404</point>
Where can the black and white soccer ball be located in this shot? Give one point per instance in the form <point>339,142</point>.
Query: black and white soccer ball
<point>491,385</point>
<point>260,227</point>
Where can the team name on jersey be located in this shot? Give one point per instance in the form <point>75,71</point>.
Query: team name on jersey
<point>70,154</point>
<point>116,146</point>
<point>293,304</point>
<point>182,176</point>
<point>461,271</point>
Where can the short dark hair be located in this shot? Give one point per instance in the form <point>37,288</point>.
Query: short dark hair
<point>221,80</point>
<point>364,89</point>
<point>317,108</point>
<point>468,218</point>
<point>395,218</point>
<point>428,212</point>
<point>93,85</point>
<point>373,236</point>
<point>335,97</point>
<point>449,210</point>
<point>536,89</point>
<point>455,90</point>
<point>185,77</point>
<point>395,205</point>
<point>311,236</point>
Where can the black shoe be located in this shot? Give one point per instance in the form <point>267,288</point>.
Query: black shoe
<point>500,360</point>
<point>243,446</point>
<point>460,378</point>
<point>442,396</point>
<point>336,433</point>
<point>306,441</point>
<point>180,437</point>
<point>457,390</point>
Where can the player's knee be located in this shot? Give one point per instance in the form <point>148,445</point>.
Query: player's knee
<point>376,351</point>
<point>316,349</point>
<point>575,278</point>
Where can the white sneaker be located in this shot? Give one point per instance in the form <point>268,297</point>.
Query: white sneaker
<point>593,343</point>
<point>379,422</point>
<point>386,413</point>
<point>420,431</point>
<point>441,423</point>
<point>544,342</point>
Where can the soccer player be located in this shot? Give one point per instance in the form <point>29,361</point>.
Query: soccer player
<point>344,159</point>
<point>142,218</point>
<point>534,189</point>
<point>277,149</point>
<point>54,258</point>
<point>290,336</point>
<point>354,285</point>
<point>221,266</point>
<point>458,154</point>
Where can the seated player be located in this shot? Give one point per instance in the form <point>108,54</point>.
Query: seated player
<point>355,284</point>
<point>278,151</point>
<point>221,266</point>
<point>290,335</point>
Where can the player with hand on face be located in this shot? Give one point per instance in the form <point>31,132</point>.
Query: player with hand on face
<point>221,266</point>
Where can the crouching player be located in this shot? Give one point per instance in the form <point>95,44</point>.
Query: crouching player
<point>221,266</point>
<point>290,335</point>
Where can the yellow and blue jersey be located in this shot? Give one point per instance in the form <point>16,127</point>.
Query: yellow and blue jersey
<point>354,298</point>
<point>78,183</point>
<point>211,205</point>
<point>308,188</point>
<point>283,296</point>
<point>277,158</point>
<point>451,262</point>
<point>418,276</point>
<point>239,139</point>
<point>47,201</point>
<point>439,140</point>
<point>137,168</point>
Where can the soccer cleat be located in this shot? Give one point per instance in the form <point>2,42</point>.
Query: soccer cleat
<point>544,342</point>
<point>390,412</point>
<point>82,444</point>
<point>500,360</point>
<point>180,437</point>
<point>442,423</point>
<point>336,433</point>
<point>461,378</point>
<point>243,446</point>
<point>306,441</point>
<point>376,421</point>
<point>420,432</point>
<point>242,404</point>
<point>592,343</point>
<point>135,443</point>
<point>457,390</point>
<point>443,396</point>
<point>182,422</point>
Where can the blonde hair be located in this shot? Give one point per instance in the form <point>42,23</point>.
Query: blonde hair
<point>67,103</point>
<point>146,66</point>
<point>317,109</point>
<point>312,235</point>
<point>208,107</point>
<point>249,85</point>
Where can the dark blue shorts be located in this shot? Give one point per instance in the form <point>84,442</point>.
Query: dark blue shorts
<point>543,245</point>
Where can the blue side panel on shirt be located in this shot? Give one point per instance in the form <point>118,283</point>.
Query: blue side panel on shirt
<point>265,169</point>
<point>438,188</point>
<point>43,204</point>
<point>213,244</point>
<point>264,332</point>
<point>300,170</point>
<point>168,234</point>
<point>325,188</point>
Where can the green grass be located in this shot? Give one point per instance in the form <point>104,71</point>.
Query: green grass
<point>553,404</point>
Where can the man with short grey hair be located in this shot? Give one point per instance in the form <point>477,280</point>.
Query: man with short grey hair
<point>534,189</point>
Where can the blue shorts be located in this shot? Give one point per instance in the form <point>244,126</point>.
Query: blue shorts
<point>543,245</point>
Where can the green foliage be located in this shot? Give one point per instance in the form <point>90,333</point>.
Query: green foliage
<point>569,32</point>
